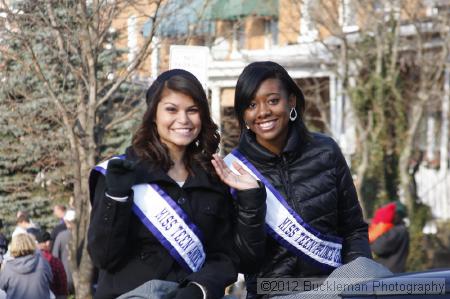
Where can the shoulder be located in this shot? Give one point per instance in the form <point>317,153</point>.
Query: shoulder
<point>320,146</point>
<point>400,229</point>
<point>42,260</point>
<point>322,140</point>
<point>63,236</point>
<point>6,266</point>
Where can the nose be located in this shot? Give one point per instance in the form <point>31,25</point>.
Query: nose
<point>183,117</point>
<point>263,110</point>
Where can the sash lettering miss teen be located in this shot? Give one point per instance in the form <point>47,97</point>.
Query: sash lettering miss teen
<point>313,216</point>
<point>160,212</point>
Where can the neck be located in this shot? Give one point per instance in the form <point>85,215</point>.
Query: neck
<point>178,171</point>
<point>176,156</point>
<point>274,146</point>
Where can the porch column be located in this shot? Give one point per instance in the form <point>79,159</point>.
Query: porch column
<point>215,105</point>
<point>445,123</point>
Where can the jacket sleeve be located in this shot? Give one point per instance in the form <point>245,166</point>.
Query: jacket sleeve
<point>389,242</point>
<point>219,269</point>
<point>108,229</point>
<point>48,270</point>
<point>57,247</point>
<point>250,229</point>
<point>351,227</point>
<point>4,277</point>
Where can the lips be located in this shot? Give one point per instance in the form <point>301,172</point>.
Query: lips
<point>266,125</point>
<point>183,131</point>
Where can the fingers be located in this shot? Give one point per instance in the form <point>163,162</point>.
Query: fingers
<point>217,168</point>
<point>241,180</point>
<point>239,168</point>
<point>227,170</point>
<point>220,161</point>
<point>129,165</point>
<point>221,168</point>
<point>121,166</point>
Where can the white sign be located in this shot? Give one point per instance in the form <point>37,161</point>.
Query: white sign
<point>193,59</point>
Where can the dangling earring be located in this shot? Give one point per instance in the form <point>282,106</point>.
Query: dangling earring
<point>197,142</point>
<point>293,114</point>
<point>246,125</point>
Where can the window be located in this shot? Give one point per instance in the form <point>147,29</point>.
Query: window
<point>271,33</point>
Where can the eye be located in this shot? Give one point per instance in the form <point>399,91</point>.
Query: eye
<point>274,101</point>
<point>170,109</point>
<point>251,106</point>
<point>193,110</point>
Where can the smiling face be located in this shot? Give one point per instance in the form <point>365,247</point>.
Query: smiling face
<point>177,120</point>
<point>267,115</point>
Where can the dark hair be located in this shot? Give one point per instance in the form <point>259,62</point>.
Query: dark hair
<point>23,218</point>
<point>251,78</point>
<point>146,142</point>
<point>43,236</point>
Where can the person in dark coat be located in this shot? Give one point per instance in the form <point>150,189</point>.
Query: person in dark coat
<point>389,237</point>
<point>172,150</point>
<point>60,248</point>
<point>58,211</point>
<point>307,175</point>
<point>59,282</point>
<point>3,242</point>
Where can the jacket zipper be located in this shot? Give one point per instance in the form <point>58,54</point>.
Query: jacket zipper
<point>282,168</point>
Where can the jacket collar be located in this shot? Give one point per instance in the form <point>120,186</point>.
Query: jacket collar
<point>252,149</point>
<point>147,172</point>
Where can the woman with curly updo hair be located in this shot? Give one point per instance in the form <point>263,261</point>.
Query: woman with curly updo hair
<point>159,211</point>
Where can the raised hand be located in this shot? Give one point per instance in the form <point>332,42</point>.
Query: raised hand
<point>120,176</point>
<point>243,181</point>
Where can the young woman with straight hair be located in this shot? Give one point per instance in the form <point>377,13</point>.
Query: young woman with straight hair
<point>314,220</point>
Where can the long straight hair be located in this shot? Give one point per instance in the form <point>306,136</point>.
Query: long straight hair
<point>146,141</point>
<point>250,80</point>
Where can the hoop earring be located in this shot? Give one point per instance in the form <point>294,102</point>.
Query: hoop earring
<point>293,114</point>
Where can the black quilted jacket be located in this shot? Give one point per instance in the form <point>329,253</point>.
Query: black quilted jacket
<point>316,182</point>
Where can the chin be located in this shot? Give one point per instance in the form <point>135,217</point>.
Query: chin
<point>267,136</point>
<point>183,142</point>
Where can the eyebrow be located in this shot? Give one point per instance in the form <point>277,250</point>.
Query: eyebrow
<point>270,93</point>
<point>173,104</point>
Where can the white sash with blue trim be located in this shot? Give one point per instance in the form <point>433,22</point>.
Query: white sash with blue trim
<point>167,222</point>
<point>287,227</point>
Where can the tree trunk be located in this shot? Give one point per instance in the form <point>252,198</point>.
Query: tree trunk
<point>406,176</point>
<point>80,261</point>
<point>361,173</point>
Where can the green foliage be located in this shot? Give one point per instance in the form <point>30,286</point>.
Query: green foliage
<point>35,157</point>
<point>417,259</point>
<point>379,101</point>
<point>32,151</point>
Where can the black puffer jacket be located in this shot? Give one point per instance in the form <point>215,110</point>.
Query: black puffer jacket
<point>315,180</point>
